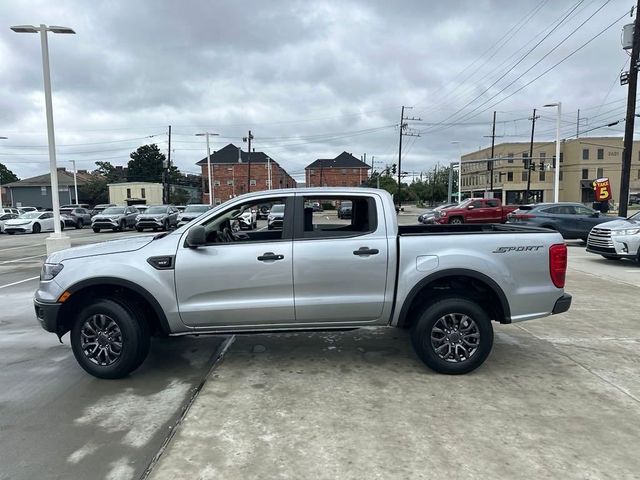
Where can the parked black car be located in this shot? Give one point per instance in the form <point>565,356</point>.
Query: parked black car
<point>158,216</point>
<point>75,217</point>
<point>571,220</point>
<point>344,211</point>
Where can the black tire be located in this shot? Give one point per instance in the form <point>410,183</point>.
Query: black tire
<point>133,335</point>
<point>36,228</point>
<point>139,229</point>
<point>269,227</point>
<point>61,225</point>
<point>95,230</point>
<point>456,220</point>
<point>10,233</point>
<point>611,258</point>
<point>122,226</point>
<point>165,226</point>
<point>79,225</point>
<point>461,309</point>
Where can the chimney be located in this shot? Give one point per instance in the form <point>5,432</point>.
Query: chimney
<point>61,169</point>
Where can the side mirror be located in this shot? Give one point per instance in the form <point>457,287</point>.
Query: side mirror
<point>595,214</point>
<point>196,237</point>
<point>470,207</point>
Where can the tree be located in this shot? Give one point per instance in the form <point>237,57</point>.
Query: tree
<point>146,164</point>
<point>95,190</point>
<point>108,171</point>
<point>179,196</point>
<point>6,175</point>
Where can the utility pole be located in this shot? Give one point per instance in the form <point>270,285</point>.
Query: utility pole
<point>533,127</point>
<point>578,125</point>
<point>248,140</point>
<point>493,143</point>
<point>75,182</point>
<point>169,169</point>
<point>408,133</point>
<point>629,123</point>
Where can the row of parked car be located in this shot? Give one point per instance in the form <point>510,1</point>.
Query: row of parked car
<point>611,236</point>
<point>101,217</point>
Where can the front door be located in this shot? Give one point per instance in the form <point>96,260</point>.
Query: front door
<point>340,265</point>
<point>239,278</point>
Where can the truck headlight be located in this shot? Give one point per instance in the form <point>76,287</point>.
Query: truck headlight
<point>50,270</point>
<point>629,231</point>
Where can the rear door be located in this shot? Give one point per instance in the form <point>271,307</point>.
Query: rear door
<point>340,265</point>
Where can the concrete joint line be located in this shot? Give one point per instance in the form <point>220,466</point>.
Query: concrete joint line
<point>587,369</point>
<point>217,358</point>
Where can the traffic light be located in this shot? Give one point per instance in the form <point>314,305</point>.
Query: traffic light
<point>490,165</point>
<point>394,169</point>
<point>532,166</point>
<point>526,162</point>
<point>542,166</point>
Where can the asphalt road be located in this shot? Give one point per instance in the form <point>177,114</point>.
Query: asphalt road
<point>58,422</point>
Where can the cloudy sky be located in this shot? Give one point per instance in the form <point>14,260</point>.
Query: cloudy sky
<point>309,78</point>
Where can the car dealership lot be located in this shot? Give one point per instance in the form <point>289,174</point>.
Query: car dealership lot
<point>558,398</point>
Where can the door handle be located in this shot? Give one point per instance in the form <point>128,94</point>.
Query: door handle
<point>366,251</point>
<point>270,257</point>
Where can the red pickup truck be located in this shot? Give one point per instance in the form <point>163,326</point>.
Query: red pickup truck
<point>476,210</point>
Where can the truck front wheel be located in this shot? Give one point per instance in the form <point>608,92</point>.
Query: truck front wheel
<point>455,220</point>
<point>108,340</point>
<point>452,336</point>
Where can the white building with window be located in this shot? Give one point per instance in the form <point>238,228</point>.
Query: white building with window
<point>135,193</point>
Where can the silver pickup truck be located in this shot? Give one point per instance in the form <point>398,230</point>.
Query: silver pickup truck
<point>446,283</point>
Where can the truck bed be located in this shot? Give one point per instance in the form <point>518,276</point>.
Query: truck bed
<point>465,228</point>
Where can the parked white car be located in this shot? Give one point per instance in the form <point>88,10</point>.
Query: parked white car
<point>31,222</point>
<point>4,217</point>
<point>22,210</point>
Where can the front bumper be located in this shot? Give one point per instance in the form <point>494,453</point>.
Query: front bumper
<point>47,314</point>
<point>562,304</point>
<point>149,224</point>
<point>11,229</point>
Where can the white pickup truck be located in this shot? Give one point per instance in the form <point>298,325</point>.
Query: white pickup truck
<point>446,283</point>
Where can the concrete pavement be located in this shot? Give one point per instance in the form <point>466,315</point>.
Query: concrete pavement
<point>558,398</point>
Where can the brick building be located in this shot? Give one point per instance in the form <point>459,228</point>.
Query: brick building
<point>343,171</point>
<point>234,172</point>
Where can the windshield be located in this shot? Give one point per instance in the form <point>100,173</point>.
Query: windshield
<point>30,215</point>
<point>113,211</point>
<point>277,209</point>
<point>66,211</point>
<point>196,208</point>
<point>346,204</point>
<point>635,217</point>
<point>156,210</point>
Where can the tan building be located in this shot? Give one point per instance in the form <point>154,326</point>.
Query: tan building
<point>135,193</point>
<point>582,160</point>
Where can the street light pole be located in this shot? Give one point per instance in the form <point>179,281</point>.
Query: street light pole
<point>556,184</point>
<point>75,180</point>
<point>456,142</point>
<point>206,135</point>
<point>1,204</point>
<point>57,241</point>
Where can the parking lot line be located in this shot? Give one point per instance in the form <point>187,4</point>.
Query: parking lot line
<point>18,282</point>
<point>21,246</point>
<point>20,259</point>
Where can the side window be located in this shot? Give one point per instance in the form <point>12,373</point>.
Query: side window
<point>492,203</point>
<point>47,215</point>
<point>552,210</point>
<point>477,204</point>
<point>580,210</point>
<point>347,217</point>
<point>242,224</point>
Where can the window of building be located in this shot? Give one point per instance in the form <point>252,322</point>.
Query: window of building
<point>560,175</point>
<point>524,176</point>
<point>600,172</point>
<point>216,183</point>
<point>43,191</point>
<point>585,154</point>
<point>312,172</point>
<point>355,170</point>
<point>600,154</point>
<point>585,174</point>
<point>142,193</point>
<point>509,176</point>
<point>252,183</point>
<point>128,193</point>
<point>638,174</point>
<point>229,182</point>
<point>509,157</point>
<point>561,157</point>
<point>542,175</point>
<point>543,156</point>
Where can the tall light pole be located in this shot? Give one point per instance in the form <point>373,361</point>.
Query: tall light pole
<point>269,171</point>
<point>556,183</point>
<point>75,180</point>
<point>57,241</point>
<point>1,138</point>
<point>206,135</point>
<point>457,142</point>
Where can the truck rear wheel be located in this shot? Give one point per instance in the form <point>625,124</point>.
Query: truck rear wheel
<point>108,340</point>
<point>452,336</point>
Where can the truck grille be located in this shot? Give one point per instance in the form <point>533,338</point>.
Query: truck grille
<point>600,237</point>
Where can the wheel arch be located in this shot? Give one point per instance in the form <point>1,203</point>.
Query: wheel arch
<point>459,281</point>
<point>118,289</point>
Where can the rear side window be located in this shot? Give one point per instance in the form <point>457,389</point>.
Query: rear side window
<point>342,216</point>
<point>492,203</point>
